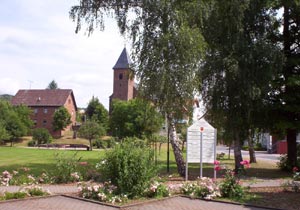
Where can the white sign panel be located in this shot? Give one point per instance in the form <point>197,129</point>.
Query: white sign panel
<point>208,142</point>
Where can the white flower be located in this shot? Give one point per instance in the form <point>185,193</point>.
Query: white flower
<point>96,188</point>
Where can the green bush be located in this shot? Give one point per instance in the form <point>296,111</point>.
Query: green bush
<point>100,144</point>
<point>284,164</point>
<point>66,169</point>
<point>31,143</point>
<point>230,186</point>
<point>13,195</point>
<point>129,166</point>
<point>111,142</point>
<point>157,190</point>
<point>41,136</point>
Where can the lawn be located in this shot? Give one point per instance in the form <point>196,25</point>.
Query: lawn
<point>38,160</point>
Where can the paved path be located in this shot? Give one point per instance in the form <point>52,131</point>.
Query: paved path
<point>260,155</point>
<point>68,203</point>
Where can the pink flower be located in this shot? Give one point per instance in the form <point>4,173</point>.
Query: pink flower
<point>216,162</point>
<point>217,168</point>
<point>245,163</point>
<point>83,163</point>
<point>295,169</point>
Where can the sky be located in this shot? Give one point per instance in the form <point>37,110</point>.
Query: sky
<point>38,44</point>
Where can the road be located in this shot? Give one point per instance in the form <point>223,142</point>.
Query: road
<point>260,155</point>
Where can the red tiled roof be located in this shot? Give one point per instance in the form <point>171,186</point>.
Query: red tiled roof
<point>43,97</point>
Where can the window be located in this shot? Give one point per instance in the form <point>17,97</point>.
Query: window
<point>35,111</point>
<point>120,76</point>
<point>45,111</point>
<point>34,122</point>
<point>44,122</point>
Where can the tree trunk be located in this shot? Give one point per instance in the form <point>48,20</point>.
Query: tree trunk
<point>159,148</point>
<point>177,151</point>
<point>292,146</point>
<point>251,149</point>
<point>91,146</point>
<point>237,154</point>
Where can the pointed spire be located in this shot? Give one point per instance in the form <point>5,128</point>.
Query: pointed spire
<point>123,61</point>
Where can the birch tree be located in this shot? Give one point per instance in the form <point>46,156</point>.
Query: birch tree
<point>167,49</point>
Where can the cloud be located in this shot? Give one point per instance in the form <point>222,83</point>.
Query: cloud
<point>38,44</point>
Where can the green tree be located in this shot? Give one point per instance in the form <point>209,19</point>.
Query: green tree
<point>10,120</point>
<point>285,97</point>
<point>168,46</point>
<point>3,133</point>
<point>91,130</point>
<point>97,112</point>
<point>41,136</point>
<point>52,85</point>
<point>24,113</point>
<point>136,117</point>
<point>239,67</point>
<point>61,119</point>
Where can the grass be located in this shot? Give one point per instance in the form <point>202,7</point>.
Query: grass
<point>43,159</point>
<point>38,160</point>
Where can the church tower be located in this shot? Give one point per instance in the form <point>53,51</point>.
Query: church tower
<point>123,85</point>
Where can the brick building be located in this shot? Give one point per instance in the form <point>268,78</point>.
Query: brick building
<point>123,83</point>
<point>44,103</point>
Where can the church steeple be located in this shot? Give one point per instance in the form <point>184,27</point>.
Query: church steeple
<point>124,61</point>
<point>123,84</point>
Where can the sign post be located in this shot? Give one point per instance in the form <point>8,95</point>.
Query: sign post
<point>201,144</point>
<point>201,151</point>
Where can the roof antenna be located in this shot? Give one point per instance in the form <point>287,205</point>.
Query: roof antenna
<point>30,82</point>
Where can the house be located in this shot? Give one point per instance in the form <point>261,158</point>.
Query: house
<point>124,87</point>
<point>44,103</point>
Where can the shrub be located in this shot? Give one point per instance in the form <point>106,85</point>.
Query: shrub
<point>284,164</point>
<point>111,142</point>
<point>157,190</point>
<point>129,166</point>
<point>230,186</point>
<point>34,190</point>
<point>104,192</point>
<point>100,144</point>
<point>14,195</point>
<point>66,168</point>
<point>204,188</point>
<point>25,192</point>
<point>41,136</point>
<point>31,143</point>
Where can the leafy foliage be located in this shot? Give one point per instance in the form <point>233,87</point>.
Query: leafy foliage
<point>91,130</point>
<point>96,111</point>
<point>14,121</point>
<point>61,119</point>
<point>230,187</point>
<point>286,165</point>
<point>66,168</point>
<point>129,166</point>
<point>104,192</point>
<point>136,117</point>
<point>285,97</point>
<point>41,136</point>
<point>203,188</point>
<point>239,67</point>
